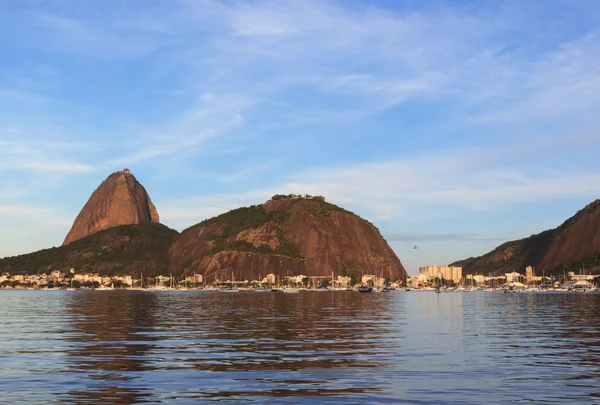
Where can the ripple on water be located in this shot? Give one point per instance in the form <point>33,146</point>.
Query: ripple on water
<point>192,347</point>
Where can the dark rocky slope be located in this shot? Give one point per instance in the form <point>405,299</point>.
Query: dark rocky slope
<point>285,236</point>
<point>571,246</point>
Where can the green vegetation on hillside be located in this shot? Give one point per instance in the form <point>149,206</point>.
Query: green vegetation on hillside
<point>233,222</point>
<point>221,245</point>
<point>239,219</point>
<point>591,265</point>
<point>126,249</point>
<point>588,209</point>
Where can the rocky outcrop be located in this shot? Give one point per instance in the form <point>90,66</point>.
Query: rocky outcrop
<point>119,200</point>
<point>574,244</point>
<point>285,236</point>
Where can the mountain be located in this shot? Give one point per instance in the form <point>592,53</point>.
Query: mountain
<point>571,246</point>
<point>126,249</point>
<point>288,235</point>
<point>119,200</point>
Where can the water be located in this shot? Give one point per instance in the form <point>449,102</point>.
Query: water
<point>189,347</point>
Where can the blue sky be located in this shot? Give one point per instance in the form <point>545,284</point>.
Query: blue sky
<point>452,125</point>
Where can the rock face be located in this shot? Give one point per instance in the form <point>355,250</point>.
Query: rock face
<point>285,236</point>
<point>574,244</point>
<point>119,200</point>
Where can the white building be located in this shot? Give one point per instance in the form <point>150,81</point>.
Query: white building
<point>514,276</point>
<point>374,280</point>
<point>443,272</point>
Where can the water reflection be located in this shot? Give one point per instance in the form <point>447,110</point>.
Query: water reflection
<point>193,347</point>
<point>104,346</point>
<point>224,345</point>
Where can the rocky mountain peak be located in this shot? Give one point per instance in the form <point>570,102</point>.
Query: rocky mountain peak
<point>119,200</point>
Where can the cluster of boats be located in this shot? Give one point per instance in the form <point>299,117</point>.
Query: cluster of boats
<point>583,288</point>
<point>227,289</point>
<point>512,289</point>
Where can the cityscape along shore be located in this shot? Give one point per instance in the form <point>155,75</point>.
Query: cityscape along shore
<point>431,278</point>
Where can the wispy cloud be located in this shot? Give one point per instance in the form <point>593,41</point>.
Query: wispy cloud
<point>211,116</point>
<point>443,182</point>
<point>323,63</point>
<point>20,210</point>
<point>39,155</point>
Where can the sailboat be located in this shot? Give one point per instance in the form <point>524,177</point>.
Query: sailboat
<point>290,290</point>
<point>106,288</point>
<point>231,288</point>
<point>287,290</point>
<point>133,287</point>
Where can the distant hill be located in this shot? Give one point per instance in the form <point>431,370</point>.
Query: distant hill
<point>126,249</point>
<point>288,235</point>
<point>572,246</point>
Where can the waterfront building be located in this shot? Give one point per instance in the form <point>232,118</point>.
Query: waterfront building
<point>373,280</point>
<point>442,272</point>
<point>513,276</point>
<point>416,281</point>
<point>57,275</point>
<point>296,279</point>
<point>269,279</point>
<point>581,277</point>
<point>161,280</point>
<point>528,272</point>
<point>342,281</point>
<point>194,279</point>
<point>82,278</point>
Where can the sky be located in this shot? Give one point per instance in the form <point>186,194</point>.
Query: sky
<point>451,125</point>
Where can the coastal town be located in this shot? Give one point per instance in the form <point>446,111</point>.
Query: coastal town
<point>451,278</point>
<point>72,280</point>
<point>430,278</point>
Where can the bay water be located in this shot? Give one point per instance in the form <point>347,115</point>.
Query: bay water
<point>190,347</point>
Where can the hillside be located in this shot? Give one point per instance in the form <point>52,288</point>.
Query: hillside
<point>285,236</point>
<point>572,246</point>
<point>126,249</point>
